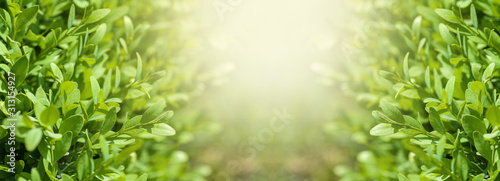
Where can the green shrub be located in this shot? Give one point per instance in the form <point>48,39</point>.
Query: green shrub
<point>431,70</point>
<point>92,80</point>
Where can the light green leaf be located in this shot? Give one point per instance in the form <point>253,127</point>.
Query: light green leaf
<point>473,16</point>
<point>34,174</point>
<point>415,27</point>
<point>471,124</point>
<point>95,89</point>
<point>391,111</point>
<point>412,122</point>
<point>162,129</point>
<point>139,67</point>
<point>405,67</point>
<point>32,139</point>
<point>488,71</point>
<point>72,124</point>
<point>493,115</point>
<point>50,115</point>
<point>438,86</point>
<point>402,177</point>
<point>153,111</point>
<point>382,129</point>
<point>26,17</point>
<point>97,15</point>
<point>107,84</point>
<point>428,79</point>
<point>445,33</point>
<point>129,26</point>
<point>71,16</point>
<point>482,146</point>
<point>450,88</point>
<point>447,15</point>
<point>117,78</point>
<point>143,177</point>
<point>20,68</point>
<point>132,122</point>
<point>440,148</point>
<point>98,35</point>
<point>57,72</point>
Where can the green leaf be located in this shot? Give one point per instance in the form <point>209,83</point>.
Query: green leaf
<point>71,16</point>
<point>438,86</point>
<point>34,174</point>
<point>106,88</point>
<point>162,129</point>
<point>67,87</point>
<point>129,26</point>
<point>153,111</point>
<point>66,178</point>
<point>50,115</point>
<point>63,145</point>
<point>95,89</point>
<point>412,122</point>
<point>462,165</point>
<point>450,88</point>
<point>20,68</point>
<point>391,111</point>
<point>143,177</point>
<point>445,33</point>
<point>72,124</point>
<point>482,146</point>
<point>33,138</point>
<point>117,78</point>
<point>473,15</point>
<point>97,15</point>
<point>447,15</point>
<point>440,148</point>
<point>428,79</point>
<point>405,67</point>
<point>109,121</point>
<point>139,67</point>
<point>26,17</point>
<point>132,122</point>
<point>402,177</point>
<point>436,121</point>
<point>493,115</point>
<point>57,72</point>
<point>479,177</point>
<point>488,72</point>
<point>471,124</point>
<point>477,87</point>
<point>82,165</point>
<point>98,35</point>
<point>382,129</point>
<point>415,27</point>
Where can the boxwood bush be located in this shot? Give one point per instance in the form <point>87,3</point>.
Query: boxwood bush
<point>85,87</point>
<point>429,71</point>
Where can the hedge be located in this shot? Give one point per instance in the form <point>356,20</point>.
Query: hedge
<point>85,87</point>
<point>429,71</point>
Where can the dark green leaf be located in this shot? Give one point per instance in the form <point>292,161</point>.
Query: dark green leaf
<point>109,121</point>
<point>436,121</point>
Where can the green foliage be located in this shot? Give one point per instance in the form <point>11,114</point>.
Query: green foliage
<point>93,87</point>
<point>437,84</point>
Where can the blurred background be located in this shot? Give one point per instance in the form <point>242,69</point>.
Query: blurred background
<point>263,58</point>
